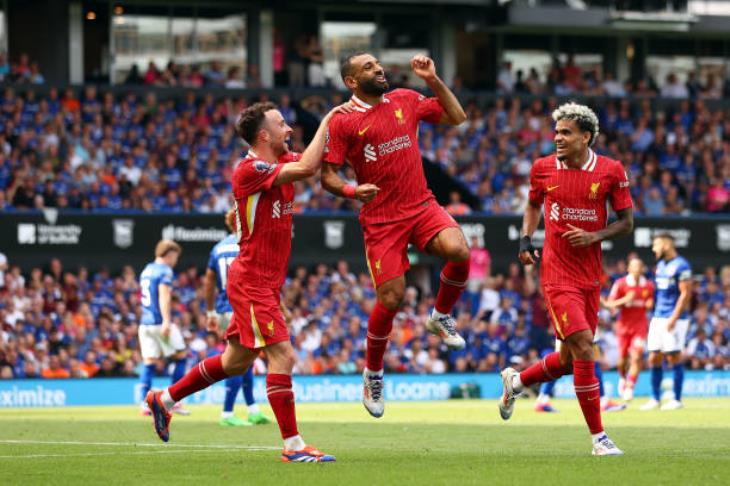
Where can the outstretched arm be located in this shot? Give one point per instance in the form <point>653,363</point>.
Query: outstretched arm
<point>424,68</point>
<point>311,159</point>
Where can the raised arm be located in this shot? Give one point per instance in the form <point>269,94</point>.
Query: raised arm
<point>424,68</point>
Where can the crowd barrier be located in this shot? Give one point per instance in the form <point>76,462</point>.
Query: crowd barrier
<point>333,388</point>
<point>113,240</point>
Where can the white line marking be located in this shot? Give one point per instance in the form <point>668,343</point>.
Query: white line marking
<point>94,454</point>
<point>145,444</point>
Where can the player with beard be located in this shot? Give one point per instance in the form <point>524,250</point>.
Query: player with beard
<point>263,193</point>
<point>379,139</point>
<point>575,185</point>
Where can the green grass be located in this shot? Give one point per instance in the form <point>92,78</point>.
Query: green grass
<point>456,442</point>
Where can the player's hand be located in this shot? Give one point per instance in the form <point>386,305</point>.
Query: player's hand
<point>287,314</point>
<point>165,331</point>
<point>366,192</point>
<point>671,323</point>
<point>423,67</point>
<point>579,238</point>
<point>528,254</point>
<point>346,107</point>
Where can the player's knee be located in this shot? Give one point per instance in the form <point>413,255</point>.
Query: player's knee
<point>456,250</point>
<point>391,297</point>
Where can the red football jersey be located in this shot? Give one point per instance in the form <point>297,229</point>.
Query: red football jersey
<point>381,144</point>
<point>577,197</point>
<point>633,313</point>
<point>263,220</point>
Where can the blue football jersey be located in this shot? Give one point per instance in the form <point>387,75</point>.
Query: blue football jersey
<point>667,278</point>
<point>153,275</point>
<point>221,257</point>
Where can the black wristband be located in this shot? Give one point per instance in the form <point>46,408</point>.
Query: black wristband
<point>526,244</point>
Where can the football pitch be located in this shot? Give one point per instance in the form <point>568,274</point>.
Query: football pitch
<point>454,442</point>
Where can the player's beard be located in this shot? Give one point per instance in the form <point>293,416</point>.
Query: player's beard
<point>373,88</point>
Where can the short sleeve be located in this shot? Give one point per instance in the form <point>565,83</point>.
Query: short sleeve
<point>537,192</point>
<point>620,192</point>
<point>428,109</point>
<point>336,141</point>
<point>252,176</point>
<point>166,277</point>
<point>290,157</point>
<point>212,264</point>
<point>616,291</point>
<point>684,272</point>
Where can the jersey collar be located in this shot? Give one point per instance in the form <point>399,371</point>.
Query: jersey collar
<point>589,165</point>
<point>363,107</point>
<point>251,153</point>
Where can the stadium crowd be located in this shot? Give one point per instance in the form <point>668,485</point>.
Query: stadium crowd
<point>57,323</point>
<point>100,152</point>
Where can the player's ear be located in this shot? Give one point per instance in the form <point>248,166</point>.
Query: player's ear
<point>351,82</point>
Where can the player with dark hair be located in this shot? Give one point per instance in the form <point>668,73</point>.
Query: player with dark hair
<point>669,325</point>
<point>379,139</point>
<point>263,192</point>
<point>634,295</point>
<point>575,186</point>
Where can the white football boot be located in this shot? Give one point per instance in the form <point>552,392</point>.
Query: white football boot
<point>445,327</point>
<point>507,402</point>
<point>650,405</point>
<point>372,392</point>
<point>672,405</point>
<point>603,446</point>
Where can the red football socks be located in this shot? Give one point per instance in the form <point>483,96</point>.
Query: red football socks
<point>380,324</point>
<point>547,369</point>
<point>201,376</point>
<point>453,282</point>
<point>587,389</point>
<point>631,380</point>
<point>281,399</point>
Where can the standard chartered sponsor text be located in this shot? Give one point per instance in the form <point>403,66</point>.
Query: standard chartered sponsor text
<point>391,146</point>
<point>580,214</point>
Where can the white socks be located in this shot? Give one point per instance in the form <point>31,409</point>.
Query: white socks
<point>167,400</point>
<point>253,409</point>
<point>227,415</point>
<point>294,443</point>
<point>436,314</point>
<point>597,436</point>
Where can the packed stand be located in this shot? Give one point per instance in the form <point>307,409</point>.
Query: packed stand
<point>58,323</point>
<point>98,152</point>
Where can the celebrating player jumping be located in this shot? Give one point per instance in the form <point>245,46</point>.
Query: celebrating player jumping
<point>574,185</point>
<point>379,140</point>
<point>263,190</point>
<point>219,316</point>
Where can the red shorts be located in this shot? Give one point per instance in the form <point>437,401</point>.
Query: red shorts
<point>572,309</point>
<point>632,338</point>
<point>386,244</point>
<point>257,317</point>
